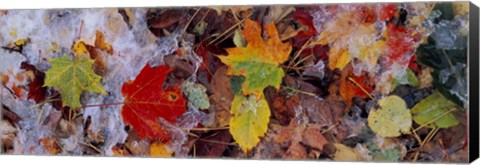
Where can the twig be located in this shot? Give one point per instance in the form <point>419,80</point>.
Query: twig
<point>300,91</point>
<point>300,51</point>
<point>447,157</point>
<point>218,142</point>
<point>40,115</point>
<point>429,137</point>
<point>80,30</point>
<point>190,21</point>
<point>228,30</point>
<point>91,146</point>
<point>204,129</point>
<point>330,128</point>
<point>359,86</point>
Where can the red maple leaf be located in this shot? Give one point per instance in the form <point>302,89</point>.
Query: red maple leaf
<point>146,101</point>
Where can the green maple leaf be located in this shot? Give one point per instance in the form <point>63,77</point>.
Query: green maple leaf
<point>72,78</point>
<point>258,62</point>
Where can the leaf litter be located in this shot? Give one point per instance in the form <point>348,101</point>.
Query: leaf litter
<point>267,82</point>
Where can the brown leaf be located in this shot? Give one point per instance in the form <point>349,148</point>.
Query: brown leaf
<point>10,116</point>
<point>36,91</point>
<point>222,97</point>
<point>166,18</point>
<point>135,145</point>
<point>282,105</point>
<point>322,112</point>
<point>52,119</point>
<point>312,137</point>
<point>295,151</point>
<point>209,149</point>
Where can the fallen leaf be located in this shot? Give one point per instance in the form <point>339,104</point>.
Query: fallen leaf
<point>196,95</point>
<point>345,153</point>
<point>339,34</point>
<point>213,150</point>
<point>146,101</point>
<point>349,90</point>
<point>235,9</point>
<point>391,118</point>
<point>222,97</point>
<point>312,137</point>
<point>258,61</point>
<point>49,145</point>
<point>295,151</point>
<point>101,44</point>
<point>72,78</point>
<point>159,149</point>
<point>432,107</point>
<point>249,120</point>
<point>36,90</point>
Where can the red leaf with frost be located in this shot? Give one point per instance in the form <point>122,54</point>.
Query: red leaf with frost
<point>146,101</point>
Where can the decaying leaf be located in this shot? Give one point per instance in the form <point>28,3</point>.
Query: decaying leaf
<point>195,93</point>
<point>146,100</point>
<point>249,120</point>
<point>101,44</point>
<point>432,107</point>
<point>222,97</point>
<point>391,118</point>
<point>258,61</point>
<point>72,78</point>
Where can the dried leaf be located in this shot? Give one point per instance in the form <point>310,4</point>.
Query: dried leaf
<point>345,153</point>
<point>101,44</point>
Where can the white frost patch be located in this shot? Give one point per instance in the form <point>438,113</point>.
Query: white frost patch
<point>52,33</point>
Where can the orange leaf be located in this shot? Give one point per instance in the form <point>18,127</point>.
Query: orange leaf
<point>101,44</point>
<point>158,149</point>
<point>146,101</point>
<point>349,89</point>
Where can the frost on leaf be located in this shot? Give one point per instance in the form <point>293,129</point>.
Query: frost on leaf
<point>391,118</point>
<point>258,61</point>
<point>196,94</point>
<point>72,78</point>
<point>146,101</point>
<point>249,120</point>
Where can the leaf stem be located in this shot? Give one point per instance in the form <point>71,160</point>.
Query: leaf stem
<point>98,105</point>
<point>299,91</point>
